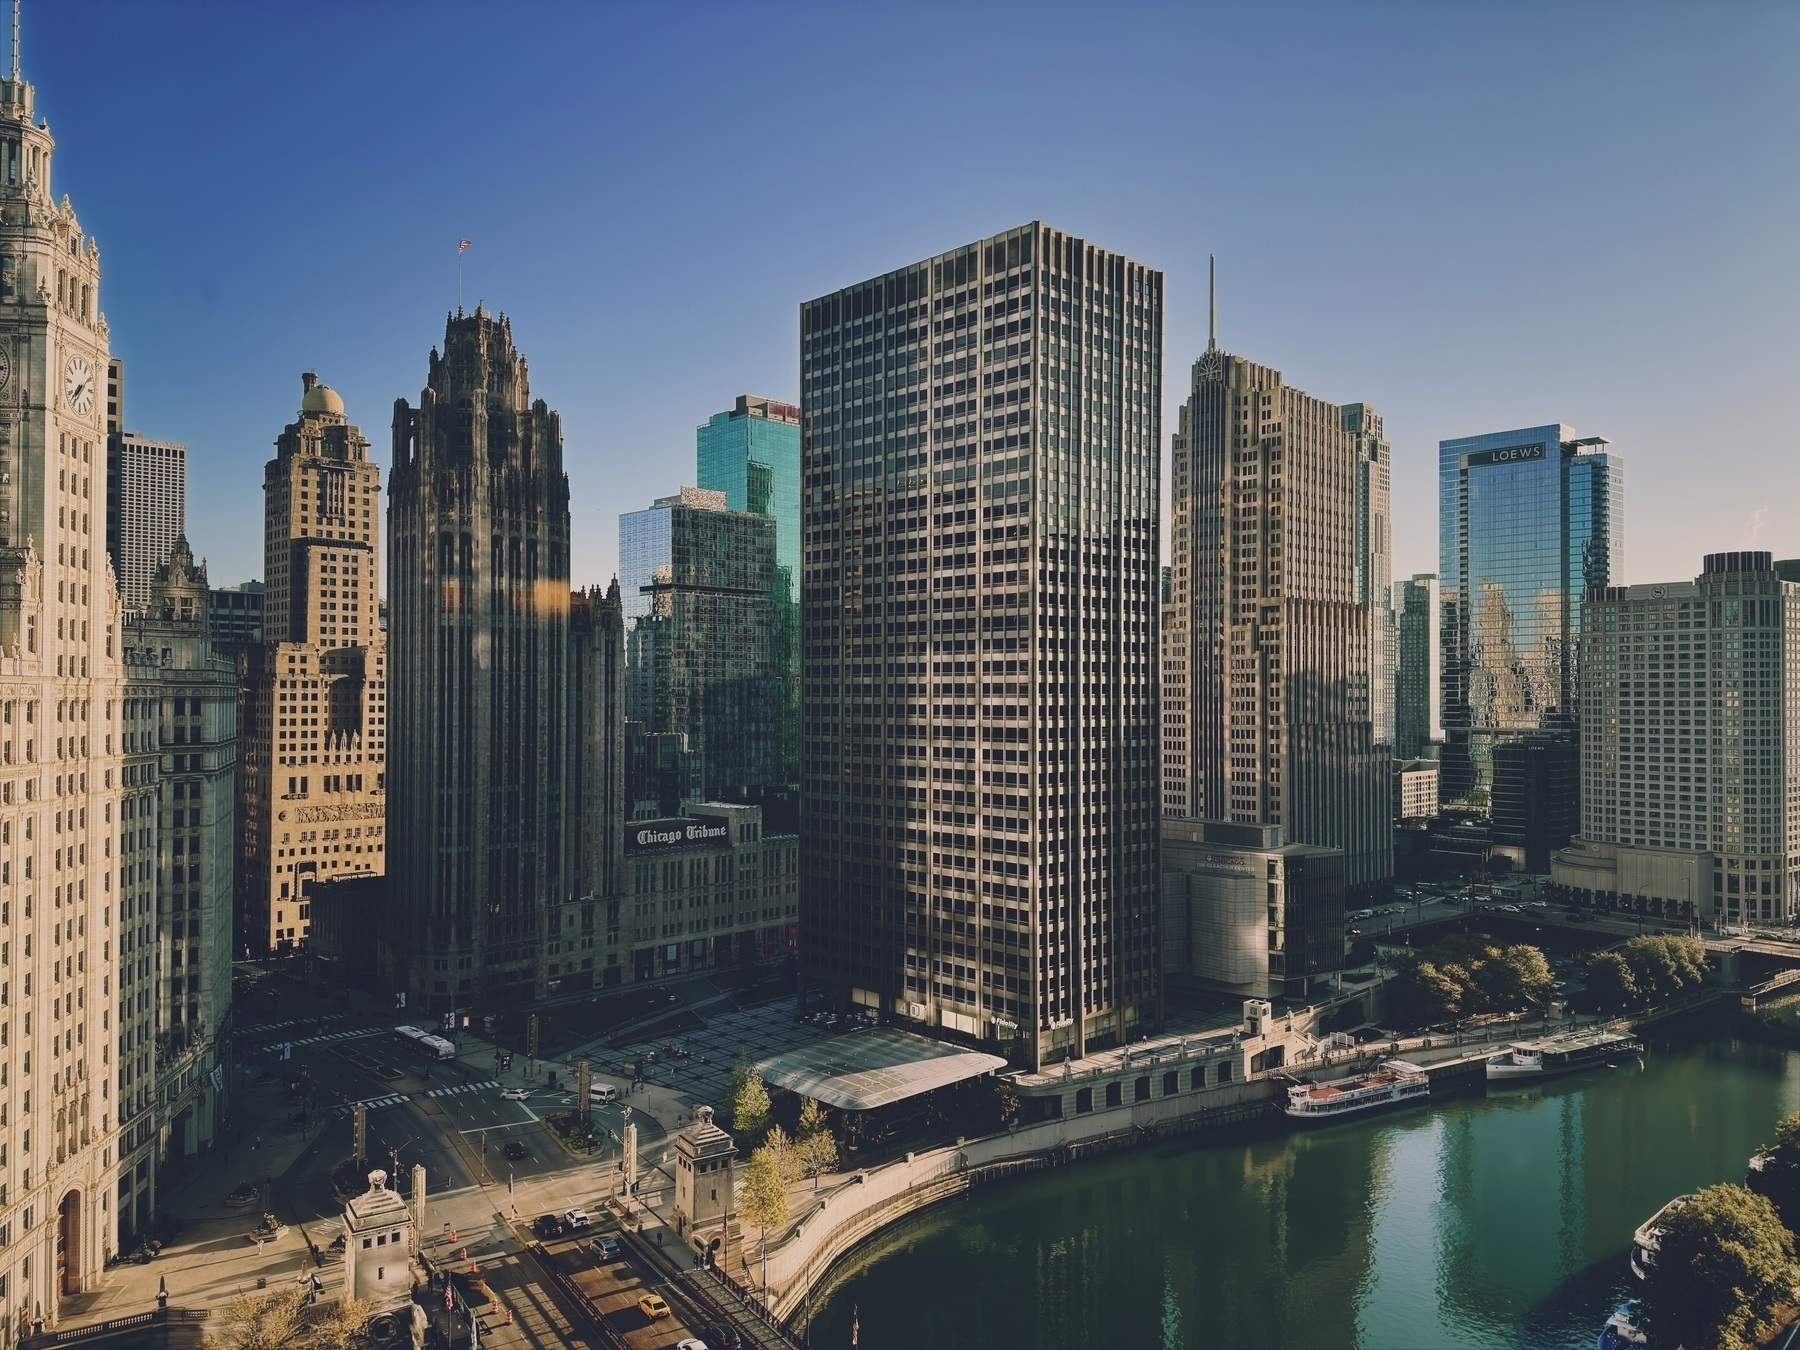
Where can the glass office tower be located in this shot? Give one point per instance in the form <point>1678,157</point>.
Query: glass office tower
<point>1528,520</point>
<point>752,455</point>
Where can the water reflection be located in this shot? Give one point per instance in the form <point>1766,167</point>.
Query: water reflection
<point>1499,1221</point>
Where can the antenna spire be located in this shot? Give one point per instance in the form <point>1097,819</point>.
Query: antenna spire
<point>15,42</point>
<point>1212,289</point>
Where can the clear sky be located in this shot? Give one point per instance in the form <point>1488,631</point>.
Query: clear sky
<point>1473,217</point>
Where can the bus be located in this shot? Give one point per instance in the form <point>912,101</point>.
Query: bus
<point>424,1044</point>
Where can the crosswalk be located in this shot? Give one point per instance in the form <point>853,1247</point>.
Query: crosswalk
<point>484,1085</point>
<point>373,1104</point>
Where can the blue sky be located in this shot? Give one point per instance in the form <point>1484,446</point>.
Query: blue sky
<point>1471,216</point>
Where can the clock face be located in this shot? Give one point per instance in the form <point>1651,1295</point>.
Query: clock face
<point>78,384</point>
<point>5,368</point>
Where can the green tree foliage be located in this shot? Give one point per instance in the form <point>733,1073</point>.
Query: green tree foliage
<point>1723,1267</point>
<point>1610,981</point>
<point>741,1070</point>
<point>787,1157</point>
<point>342,1325</point>
<point>258,1321</point>
<point>1775,1172</point>
<point>1462,976</point>
<point>762,1198</point>
<point>1663,966</point>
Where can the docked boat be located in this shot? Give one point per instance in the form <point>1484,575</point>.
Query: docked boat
<point>1624,1329</point>
<point>1394,1083</point>
<point>1647,1241</point>
<point>1570,1052</point>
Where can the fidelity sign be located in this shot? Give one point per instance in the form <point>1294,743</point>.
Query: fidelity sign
<point>1512,454</point>
<point>651,835</point>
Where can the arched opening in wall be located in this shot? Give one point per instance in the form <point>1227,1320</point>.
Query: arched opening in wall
<point>68,1244</point>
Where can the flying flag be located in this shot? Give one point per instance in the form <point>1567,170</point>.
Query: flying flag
<point>462,246</point>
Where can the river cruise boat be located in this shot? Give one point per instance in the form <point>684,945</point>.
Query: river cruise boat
<point>1570,1052</point>
<point>1394,1083</point>
<point>1624,1329</point>
<point>1648,1238</point>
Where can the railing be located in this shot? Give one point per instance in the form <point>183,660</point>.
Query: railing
<point>156,1317</point>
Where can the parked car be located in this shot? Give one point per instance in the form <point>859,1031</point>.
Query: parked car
<point>606,1248</point>
<point>576,1218</point>
<point>652,1306</point>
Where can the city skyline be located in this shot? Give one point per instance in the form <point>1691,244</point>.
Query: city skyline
<point>1379,307</point>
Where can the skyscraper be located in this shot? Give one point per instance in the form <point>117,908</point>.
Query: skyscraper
<point>752,455</point>
<point>1418,679</point>
<point>177,839</point>
<point>480,855</point>
<point>1375,562</point>
<point>62,690</point>
<point>146,510</point>
<point>1690,747</point>
<point>313,775</point>
<point>979,519</point>
<point>1528,521</point>
<point>702,594</point>
<point>1279,558</point>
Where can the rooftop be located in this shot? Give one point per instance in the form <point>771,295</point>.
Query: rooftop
<point>866,1069</point>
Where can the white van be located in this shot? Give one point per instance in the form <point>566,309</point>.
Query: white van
<point>602,1093</point>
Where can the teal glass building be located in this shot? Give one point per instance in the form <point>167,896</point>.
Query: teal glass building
<point>1528,521</point>
<point>752,455</point>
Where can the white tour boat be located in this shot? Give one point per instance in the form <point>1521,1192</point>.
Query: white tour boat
<point>1394,1083</point>
<point>1570,1052</point>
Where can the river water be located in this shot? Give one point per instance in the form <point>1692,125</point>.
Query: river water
<point>1497,1221</point>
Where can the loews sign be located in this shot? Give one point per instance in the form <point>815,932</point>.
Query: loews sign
<point>649,836</point>
<point>1512,454</point>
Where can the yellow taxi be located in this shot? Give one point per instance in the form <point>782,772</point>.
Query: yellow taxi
<point>652,1306</point>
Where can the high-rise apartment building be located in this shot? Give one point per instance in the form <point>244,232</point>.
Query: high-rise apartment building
<point>178,729</point>
<point>1279,554</point>
<point>1418,677</point>
<point>68,993</point>
<point>752,455</point>
<point>313,740</point>
<point>1528,522</point>
<point>1690,747</point>
<point>979,519</point>
<point>237,614</point>
<point>482,867</point>
<point>701,645</point>
<point>146,510</point>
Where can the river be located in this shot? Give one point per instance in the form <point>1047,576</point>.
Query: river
<point>1496,1221</point>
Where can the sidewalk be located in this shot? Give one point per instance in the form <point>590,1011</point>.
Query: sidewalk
<point>213,1259</point>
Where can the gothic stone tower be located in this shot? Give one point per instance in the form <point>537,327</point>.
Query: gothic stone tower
<point>480,859</point>
<point>79,1086</point>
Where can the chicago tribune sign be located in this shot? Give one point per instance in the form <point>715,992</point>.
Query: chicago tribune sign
<point>1512,454</point>
<point>648,836</point>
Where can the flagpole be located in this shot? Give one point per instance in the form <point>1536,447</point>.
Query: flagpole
<point>459,254</point>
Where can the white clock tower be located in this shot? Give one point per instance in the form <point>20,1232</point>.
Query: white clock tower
<point>73,965</point>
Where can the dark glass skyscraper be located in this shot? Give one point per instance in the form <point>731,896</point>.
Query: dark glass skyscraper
<point>1527,521</point>
<point>701,582</point>
<point>1418,685</point>
<point>980,451</point>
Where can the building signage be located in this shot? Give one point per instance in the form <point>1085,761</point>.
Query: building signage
<point>1512,454</point>
<point>650,836</point>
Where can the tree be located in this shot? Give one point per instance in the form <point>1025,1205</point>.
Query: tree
<point>1610,980</point>
<point>741,1071</point>
<point>1775,1172</point>
<point>342,1325</point>
<point>1664,965</point>
<point>812,1118</point>
<point>750,1105</point>
<point>1724,1264</point>
<point>1515,977</point>
<point>818,1154</point>
<point>786,1155</point>
<point>259,1321</point>
<point>762,1199</point>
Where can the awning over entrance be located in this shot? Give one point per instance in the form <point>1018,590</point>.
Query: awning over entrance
<point>866,1069</point>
